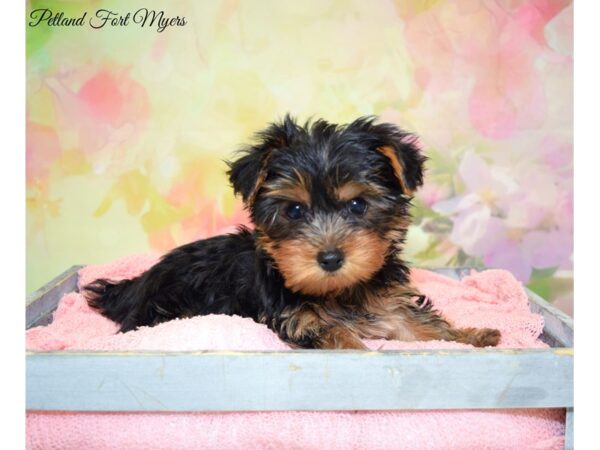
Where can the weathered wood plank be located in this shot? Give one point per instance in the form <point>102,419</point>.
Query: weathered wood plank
<point>569,423</point>
<point>299,380</point>
<point>558,327</point>
<point>41,303</point>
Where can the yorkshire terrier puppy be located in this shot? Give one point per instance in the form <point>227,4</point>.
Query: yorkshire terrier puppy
<point>322,268</point>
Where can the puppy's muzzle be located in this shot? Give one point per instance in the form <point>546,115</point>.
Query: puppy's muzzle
<point>331,260</point>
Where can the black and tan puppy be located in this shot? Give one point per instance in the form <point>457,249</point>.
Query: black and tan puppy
<point>323,267</point>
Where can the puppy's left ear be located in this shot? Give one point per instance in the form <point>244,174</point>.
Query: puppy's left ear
<point>402,150</point>
<point>248,173</point>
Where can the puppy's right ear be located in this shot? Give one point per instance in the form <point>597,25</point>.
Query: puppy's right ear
<point>248,173</point>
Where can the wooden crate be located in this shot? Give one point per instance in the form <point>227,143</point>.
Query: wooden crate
<point>301,379</point>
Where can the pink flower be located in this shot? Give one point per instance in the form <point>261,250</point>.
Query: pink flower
<point>520,252</point>
<point>472,211</point>
<point>494,50</point>
<point>514,221</point>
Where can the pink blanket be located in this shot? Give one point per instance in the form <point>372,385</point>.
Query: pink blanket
<point>488,299</point>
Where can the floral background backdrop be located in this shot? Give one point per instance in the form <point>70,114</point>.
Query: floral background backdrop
<point>128,127</point>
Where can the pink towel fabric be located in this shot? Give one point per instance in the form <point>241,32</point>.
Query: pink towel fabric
<point>492,298</point>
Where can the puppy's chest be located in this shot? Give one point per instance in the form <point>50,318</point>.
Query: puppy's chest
<point>374,314</point>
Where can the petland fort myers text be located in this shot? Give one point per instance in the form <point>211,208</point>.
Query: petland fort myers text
<point>104,18</point>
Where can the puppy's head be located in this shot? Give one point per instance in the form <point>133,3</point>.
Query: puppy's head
<point>330,203</point>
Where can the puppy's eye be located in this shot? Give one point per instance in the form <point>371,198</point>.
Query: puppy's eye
<point>295,211</point>
<point>357,206</point>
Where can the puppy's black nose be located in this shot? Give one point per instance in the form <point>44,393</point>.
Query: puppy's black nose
<point>331,260</point>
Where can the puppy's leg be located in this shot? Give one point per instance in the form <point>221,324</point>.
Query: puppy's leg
<point>431,326</point>
<point>403,319</point>
<point>164,292</point>
<point>339,337</point>
<point>307,326</point>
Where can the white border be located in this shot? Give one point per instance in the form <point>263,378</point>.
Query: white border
<point>13,221</point>
<point>587,311</point>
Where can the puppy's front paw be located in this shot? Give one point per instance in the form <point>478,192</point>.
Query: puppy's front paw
<point>487,337</point>
<point>480,337</point>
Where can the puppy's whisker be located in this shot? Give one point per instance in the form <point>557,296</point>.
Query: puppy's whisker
<point>274,217</point>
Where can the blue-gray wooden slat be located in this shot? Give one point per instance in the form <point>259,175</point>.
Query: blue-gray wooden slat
<point>558,327</point>
<point>569,436</point>
<point>40,304</point>
<point>299,380</point>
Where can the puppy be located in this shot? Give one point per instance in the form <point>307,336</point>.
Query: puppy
<point>323,266</point>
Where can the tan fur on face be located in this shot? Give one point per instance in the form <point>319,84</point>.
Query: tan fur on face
<point>351,190</point>
<point>262,176</point>
<point>294,189</point>
<point>397,166</point>
<point>294,194</point>
<point>364,254</point>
